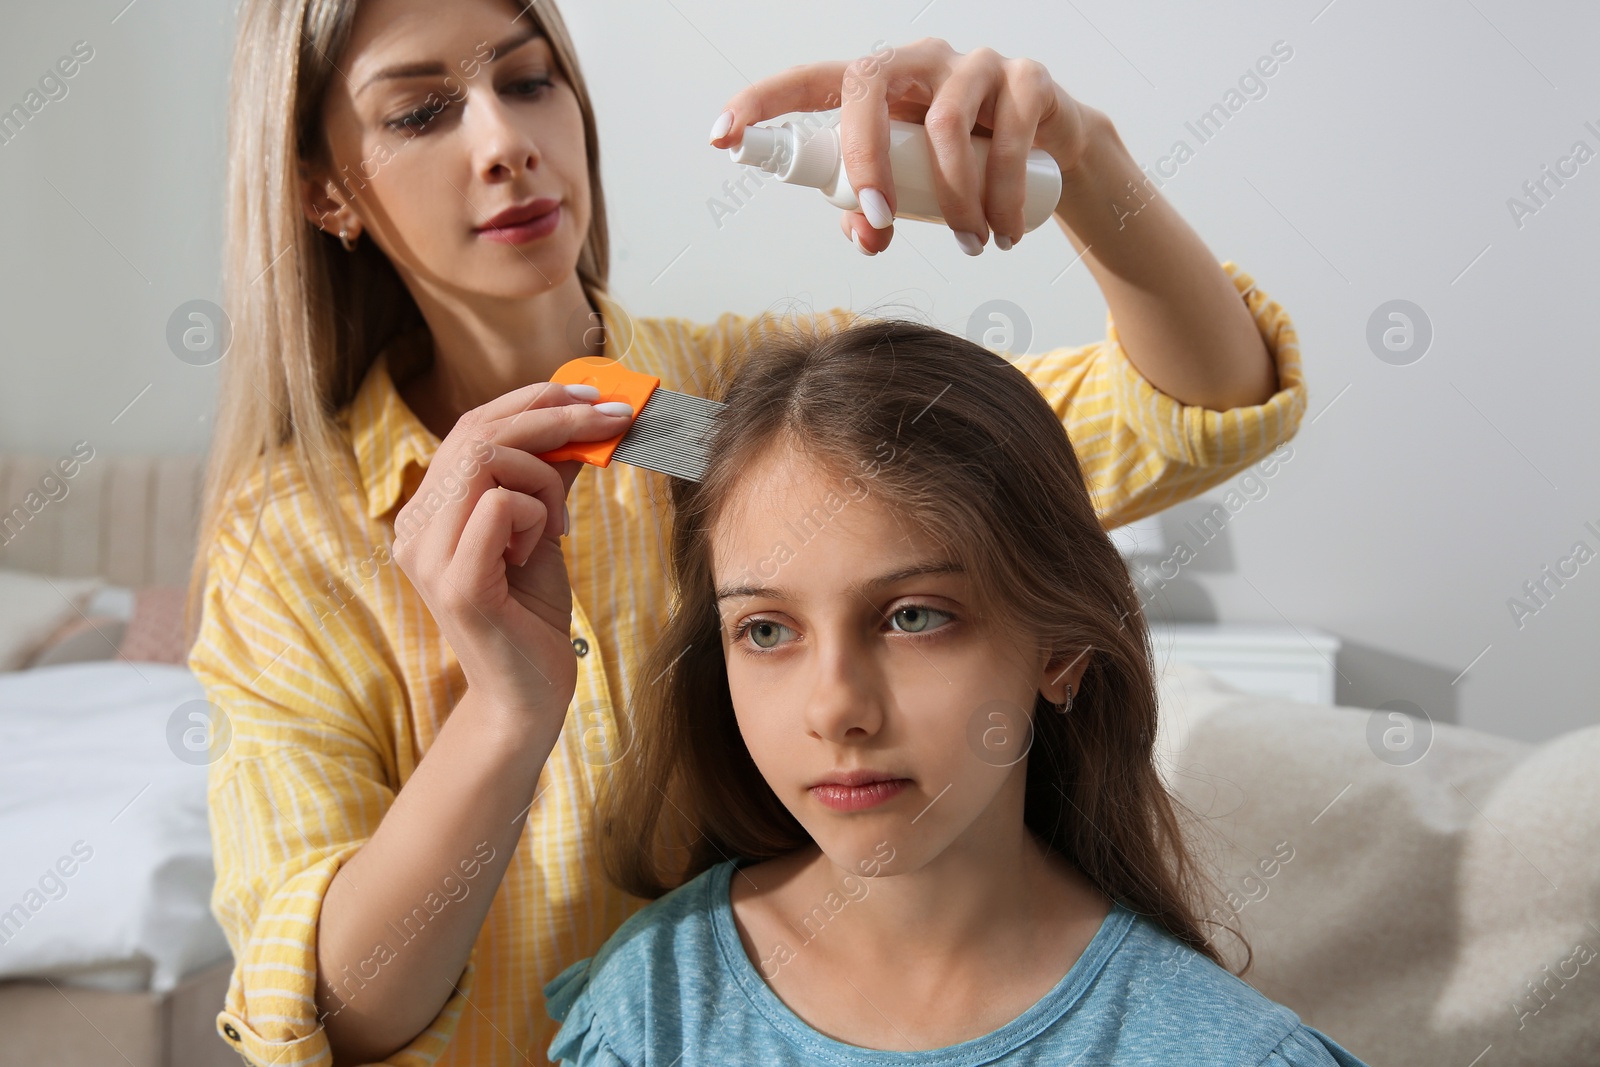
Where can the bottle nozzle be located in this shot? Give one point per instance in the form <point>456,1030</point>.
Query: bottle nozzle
<point>767,147</point>
<point>808,156</point>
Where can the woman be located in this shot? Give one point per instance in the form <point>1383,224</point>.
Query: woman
<point>420,716</point>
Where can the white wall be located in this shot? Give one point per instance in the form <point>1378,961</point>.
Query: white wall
<point>1377,166</point>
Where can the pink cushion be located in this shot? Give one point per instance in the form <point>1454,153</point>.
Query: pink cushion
<point>155,633</point>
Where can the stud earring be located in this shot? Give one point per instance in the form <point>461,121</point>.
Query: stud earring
<point>347,240</point>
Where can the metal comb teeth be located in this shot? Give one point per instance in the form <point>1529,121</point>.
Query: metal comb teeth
<point>671,434</point>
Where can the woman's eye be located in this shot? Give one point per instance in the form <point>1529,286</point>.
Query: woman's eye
<point>921,618</point>
<point>417,119</point>
<point>414,121</point>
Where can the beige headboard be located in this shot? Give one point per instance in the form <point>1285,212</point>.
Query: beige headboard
<point>128,519</point>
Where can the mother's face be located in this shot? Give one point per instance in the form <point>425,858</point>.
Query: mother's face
<point>446,115</point>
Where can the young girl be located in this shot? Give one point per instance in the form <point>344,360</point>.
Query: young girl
<point>903,717</point>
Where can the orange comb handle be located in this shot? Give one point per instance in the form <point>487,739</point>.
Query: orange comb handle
<point>615,382</point>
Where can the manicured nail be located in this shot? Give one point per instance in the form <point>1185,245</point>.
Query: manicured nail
<point>723,124</point>
<point>970,243</point>
<point>614,407</point>
<point>856,237</point>
<point>583,392</point>
<point>876,208</point>
<point>1003,243</point>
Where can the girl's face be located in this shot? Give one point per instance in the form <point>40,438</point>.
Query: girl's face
<point>445,116</point>
<point>837,664</point>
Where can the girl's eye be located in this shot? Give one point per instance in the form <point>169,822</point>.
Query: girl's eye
<point>539,86</point>
<point>920,622</point>
<point>917,618</point>
<point>760,630</point>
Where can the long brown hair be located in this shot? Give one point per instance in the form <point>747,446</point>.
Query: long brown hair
<point>983,467</point>
<point>309,318</point>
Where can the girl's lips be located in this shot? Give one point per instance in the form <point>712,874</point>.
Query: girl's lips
<point>522,232</point>
<point>858,797</point>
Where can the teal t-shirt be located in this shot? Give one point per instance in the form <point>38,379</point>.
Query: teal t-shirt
<point>674,988</point>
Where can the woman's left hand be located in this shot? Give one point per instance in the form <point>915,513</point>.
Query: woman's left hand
<point>1015,101</point>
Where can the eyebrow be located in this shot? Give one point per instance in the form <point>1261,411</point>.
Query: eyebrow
<point>778,593</point>
<point>429,68</point>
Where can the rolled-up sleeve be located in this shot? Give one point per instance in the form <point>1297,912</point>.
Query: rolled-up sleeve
<point>1140,449</point>
<point>300,786</point>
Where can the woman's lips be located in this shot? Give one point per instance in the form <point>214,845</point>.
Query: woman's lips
<point>522,232</point>
<point>858,797</point>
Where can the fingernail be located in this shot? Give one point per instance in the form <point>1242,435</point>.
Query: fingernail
<point>970,243</point>
<point>583,392</point>
<point>566,519</point>
<point>614,407</point>
<point>856,237</point>
<point>875,208</point>
<point>1002,242</point>
<point>723,124</point>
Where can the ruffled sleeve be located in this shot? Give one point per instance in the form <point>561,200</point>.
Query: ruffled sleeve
<point>1306,1046</point>
<point>581,1041</point>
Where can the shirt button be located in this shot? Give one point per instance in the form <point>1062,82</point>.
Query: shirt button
<point>580,646</point>
<point>227,1028</point>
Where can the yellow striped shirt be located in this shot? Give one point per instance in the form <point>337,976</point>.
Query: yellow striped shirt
<point>335,679</point>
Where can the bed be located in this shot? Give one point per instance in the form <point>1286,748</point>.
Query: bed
<point>1443,910</point>
<point>121,961</point>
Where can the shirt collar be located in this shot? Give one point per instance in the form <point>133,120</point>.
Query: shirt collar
<point>388,438</point>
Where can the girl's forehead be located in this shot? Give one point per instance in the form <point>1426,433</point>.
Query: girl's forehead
<point>785,492</point>
<point>819,528</point>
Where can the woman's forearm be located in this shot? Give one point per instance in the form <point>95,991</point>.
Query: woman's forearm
<point>400,917</point>
<point>1178,315</point>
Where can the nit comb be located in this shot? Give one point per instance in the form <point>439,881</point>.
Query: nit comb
<point>670,431</point>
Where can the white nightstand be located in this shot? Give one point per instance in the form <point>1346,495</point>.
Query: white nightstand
<point>1271,660</point>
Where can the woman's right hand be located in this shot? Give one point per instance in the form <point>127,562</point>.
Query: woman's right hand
<point>480,541</point>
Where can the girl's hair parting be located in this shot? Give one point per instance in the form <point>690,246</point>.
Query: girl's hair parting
<point>962,445</point>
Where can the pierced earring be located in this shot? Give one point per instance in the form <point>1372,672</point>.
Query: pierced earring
<point>346,240</point>
<point>1066,705</point>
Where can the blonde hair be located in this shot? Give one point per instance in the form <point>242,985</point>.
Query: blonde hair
<point>308,318</point>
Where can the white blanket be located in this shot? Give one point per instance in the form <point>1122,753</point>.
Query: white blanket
<point>105,854</point>
<point>1436,912</point>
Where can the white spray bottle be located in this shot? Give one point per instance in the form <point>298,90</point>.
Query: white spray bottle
<point>803,154</point>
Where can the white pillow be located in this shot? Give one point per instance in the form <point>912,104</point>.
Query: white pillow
<point>32,607</point>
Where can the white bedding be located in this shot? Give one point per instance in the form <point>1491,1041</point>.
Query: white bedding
<point>105,854</point>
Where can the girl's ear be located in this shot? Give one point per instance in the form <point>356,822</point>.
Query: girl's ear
<point>1064,669</point>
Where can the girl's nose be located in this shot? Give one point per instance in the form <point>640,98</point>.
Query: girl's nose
<point>846,698</point>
